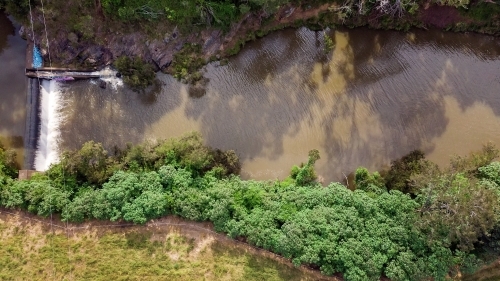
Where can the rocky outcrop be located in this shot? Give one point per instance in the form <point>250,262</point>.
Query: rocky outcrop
<point>68,48</point>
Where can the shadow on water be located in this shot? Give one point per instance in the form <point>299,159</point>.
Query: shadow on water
<point>112,116</point>
<point>404,87</point>
<point>13,86</point>
<point>6,29</point>
<point>377,96</point>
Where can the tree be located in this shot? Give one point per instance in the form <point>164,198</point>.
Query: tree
<point>399,176</point>
<point>457,208</point>
<point>138,75</point>
<point>8,165</point>
<point>305,174</point>
<point>90,164</point>
<point>371,183</point>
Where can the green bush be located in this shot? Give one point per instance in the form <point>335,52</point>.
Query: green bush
<point>398,177</point>
<point>137,74</point>
<point>8,165</point>
<point>363,234</point>
<point>19,9</point>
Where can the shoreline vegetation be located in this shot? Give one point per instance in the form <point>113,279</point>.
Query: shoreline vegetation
<point>180,37</point>
<point>412,222</point>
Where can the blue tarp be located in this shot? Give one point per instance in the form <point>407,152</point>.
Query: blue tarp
<point>37,58</point>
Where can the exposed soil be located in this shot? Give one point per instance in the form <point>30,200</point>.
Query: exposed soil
<point>441,16</point>
<point>112,39</point>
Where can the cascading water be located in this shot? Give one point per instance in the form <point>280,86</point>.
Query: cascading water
<point>51,100</point>
<point>47,151</point>
<point>108,75</point>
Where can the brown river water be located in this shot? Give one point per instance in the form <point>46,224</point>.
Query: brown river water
<point>374,98</point>
<point>12,86</point>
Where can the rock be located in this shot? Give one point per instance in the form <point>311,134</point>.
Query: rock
<point>118,75</point>
<point>166,39</point>
<point>73,38</point>
<point>175,33</point>
<point>102,84</point>
<point>22,32</point>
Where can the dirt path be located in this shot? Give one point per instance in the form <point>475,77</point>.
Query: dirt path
<point>202,234</point>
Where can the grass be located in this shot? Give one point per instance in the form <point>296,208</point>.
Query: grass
<point>490,272</point>
<point>29,251</point>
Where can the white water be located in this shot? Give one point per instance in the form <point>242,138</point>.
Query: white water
<point>51,105</point>
<point>108,75</point>
<point>47,152</point>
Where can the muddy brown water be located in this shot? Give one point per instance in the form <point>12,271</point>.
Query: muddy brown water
<point>12,86</point>
<point>377,96</point>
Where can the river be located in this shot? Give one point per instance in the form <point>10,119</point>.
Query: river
<point>375,97</point>
<point>12,86</point>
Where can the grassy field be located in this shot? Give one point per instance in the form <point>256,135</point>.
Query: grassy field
<point>32,250</point>
<point>169,249</point>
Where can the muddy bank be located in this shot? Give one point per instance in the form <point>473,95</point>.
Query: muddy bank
<point>103,40</point>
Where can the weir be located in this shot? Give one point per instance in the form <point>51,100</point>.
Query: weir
<point>32,122</point>
<point>44,104</point>
<point>61,74</point>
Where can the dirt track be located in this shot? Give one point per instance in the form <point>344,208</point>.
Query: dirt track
<point>157,230</point>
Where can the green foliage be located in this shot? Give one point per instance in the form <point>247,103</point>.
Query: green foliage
<point>470,164</point>
<point>38,195</point>
<point>185,13</point>
<point>8,165</point>
<point>329,44</point>
<point>370,183</point>
<point>482,11</point>
<point>137,74</point>
<point>399,175</point>
<point>454,3</point>
<point>305,174</point>
<point>363,234</point>
<point>491,172</point>
<point>457,208</point>
<point>90,164</point>
<point>17,8</point>
<point>187,62</point>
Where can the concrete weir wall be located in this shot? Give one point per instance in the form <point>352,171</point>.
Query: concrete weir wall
<point>32,122</point>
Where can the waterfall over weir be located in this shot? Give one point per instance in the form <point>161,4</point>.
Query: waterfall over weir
<point>47,151</point>
<point>48,103</point>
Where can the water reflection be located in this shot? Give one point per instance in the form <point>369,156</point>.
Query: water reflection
<point>13,86</point>
<point>6,29</point>
<point>375,97</point>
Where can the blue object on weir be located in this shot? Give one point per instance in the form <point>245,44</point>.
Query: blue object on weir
<point>37,57</point>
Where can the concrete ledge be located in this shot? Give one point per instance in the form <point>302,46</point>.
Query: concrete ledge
<point>26,174</point>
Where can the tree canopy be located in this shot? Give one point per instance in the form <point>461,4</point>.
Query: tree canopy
<point>363,234</point>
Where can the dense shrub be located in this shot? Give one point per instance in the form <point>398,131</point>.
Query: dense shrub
<point>136,73</point>
<point>8,164</point>
<point>364,234</point>
<point>399,175</point>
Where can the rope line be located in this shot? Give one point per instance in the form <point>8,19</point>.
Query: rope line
<point>34,41</point>
<point>40,84</point>
<point>46,37</point>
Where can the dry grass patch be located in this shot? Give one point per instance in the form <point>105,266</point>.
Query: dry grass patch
<point>29,251</point>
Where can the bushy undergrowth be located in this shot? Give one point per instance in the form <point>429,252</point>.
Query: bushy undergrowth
<point>137,74</point>
<point>363,234</point>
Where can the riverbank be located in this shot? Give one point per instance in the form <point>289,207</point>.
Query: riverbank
<point>332,228</point>
<point>85,36</point>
